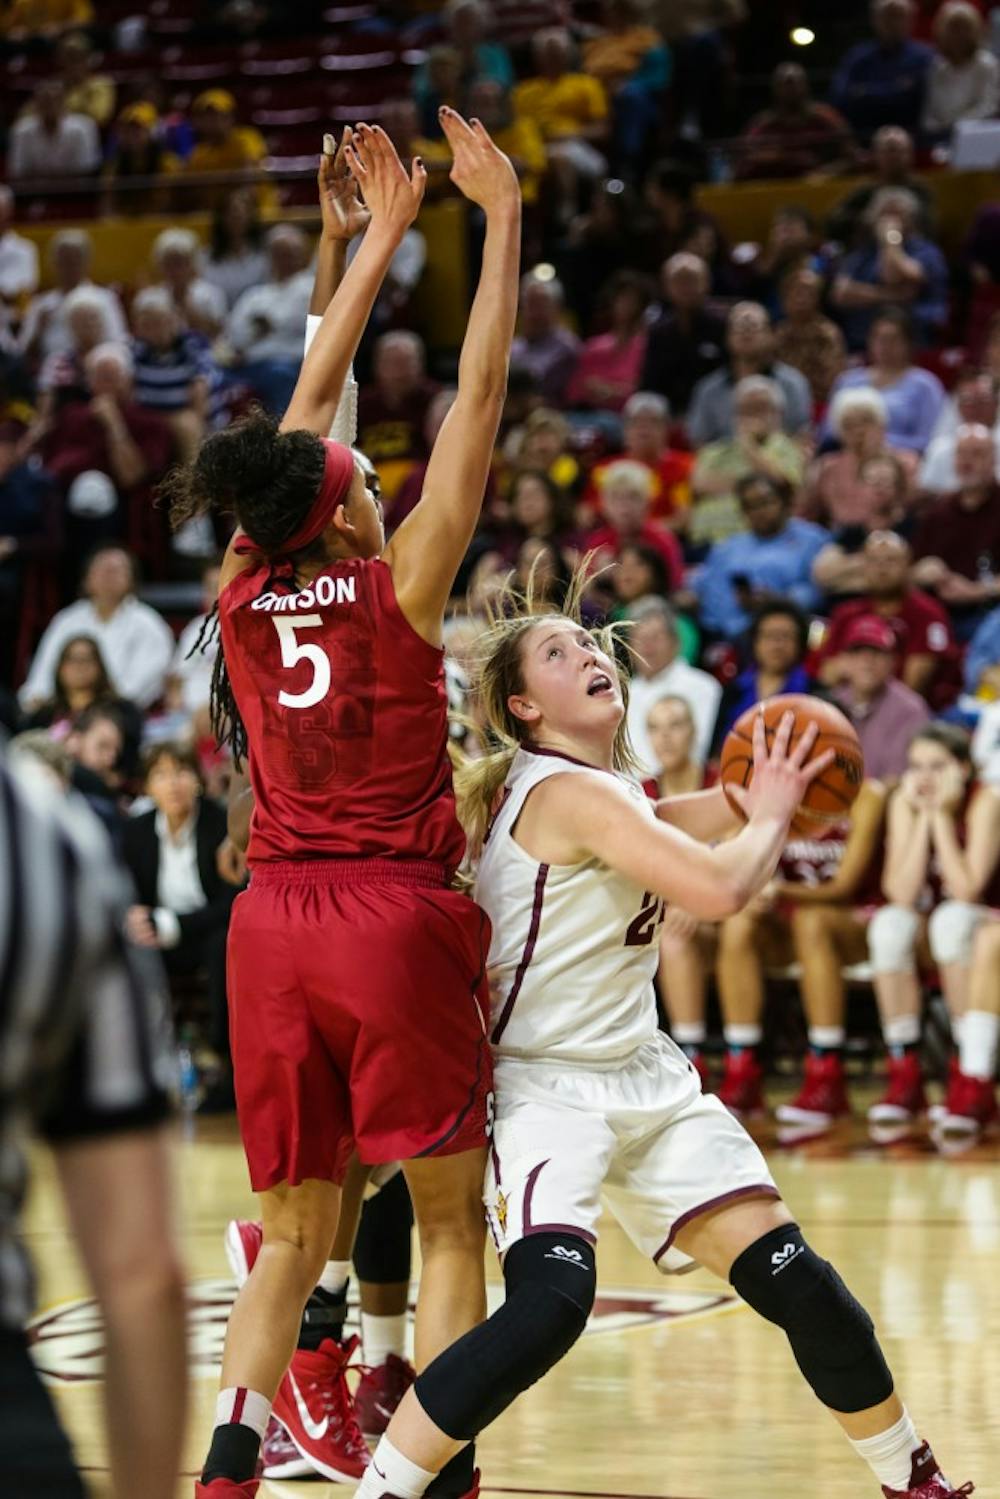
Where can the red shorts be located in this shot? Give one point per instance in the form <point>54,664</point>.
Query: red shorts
<point>357,1014</point>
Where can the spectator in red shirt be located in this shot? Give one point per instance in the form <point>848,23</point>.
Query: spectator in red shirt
<point>646,423</point>
<point>392,409</point>
<point>957,545</point>
<point>609,364</point>
<point>926,655</point>
<point>796,136</point>
<point>626,494</point>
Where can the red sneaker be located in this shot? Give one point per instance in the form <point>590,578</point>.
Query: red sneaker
<point>970,1106</point>
<point>904,1097</point>
<point>822,1099</point>
<point>314,1406</point>
<point>281,1457</point>
<point>742,1086</point>
<point>225,1488</point>
<point>927,1481</point>
<point>380,1391</point>
<point>242,1241</point>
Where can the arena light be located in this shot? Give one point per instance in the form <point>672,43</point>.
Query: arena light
<point>543,271</point>
<point>802,36</point>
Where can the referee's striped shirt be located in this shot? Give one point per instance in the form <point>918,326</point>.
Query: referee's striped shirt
<point>84,1039</point>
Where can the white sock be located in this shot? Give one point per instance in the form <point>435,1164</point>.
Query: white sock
<point>243,1407</point>
<point>957,1023</point>
<point>381,1336</point>
<point>977,1054</point>
<point>890,1454</point>
<point>827,1037</point>
<point>902,1030</point>
<point>742,1036</point>
<point>390,1472</point>
<point>689,1032</point>
<point>335,1276</point>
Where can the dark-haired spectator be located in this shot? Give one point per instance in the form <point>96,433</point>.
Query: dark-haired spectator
<point>806,338</point>
<point>777,643</point>
<point>625,495</point>
<point>443,85</point>
<point>88,92</point>
<point>570,109</point>
<point>134,641</point>
<point>882,82</point>
<point>223,149</point>
<point>392,410</point>
<point>598,243</point>
<point>750,346</point>
<point>176,259</point>
<point>964,78</point>
<point>137,155</point>
<point>925,649</point>
<point>45,330</point>
<point>640,572</point>
<point>658,671</point>
<point>797,136</point>
<point>265,327</point>
<point>236,259</point>
<point>773,557</point>
<point>544,345</point>
<point>885,712</point>
<point>792,243</point>
<point>688,340</point>
<point>757,446</point>
<point>539,510</point>
<point>18,258</point>
<point>631,61</point>
<point>477,58</point>
<point>609,364</point>
<point>897,266</point>
<point>839,491</point>
<point>544,442</point>
<point>174,374</point>
<point>957,544</point>
<point>81,681</point>
<point>975,401</point>
<point>893,155</point>
<point>674,222</point>
<point>540,563</point>
<point>30,535</point>
<point>913,397</point>
<point>184,904</point>
<point>49,141</point>
<point>646,440</point>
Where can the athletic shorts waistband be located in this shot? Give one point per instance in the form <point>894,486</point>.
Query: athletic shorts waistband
<point>351,872</point>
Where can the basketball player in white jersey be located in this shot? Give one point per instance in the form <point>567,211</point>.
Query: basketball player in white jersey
<point>591,1099</point>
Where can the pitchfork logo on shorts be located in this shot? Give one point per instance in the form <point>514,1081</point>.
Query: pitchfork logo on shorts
<point>68,1340</point>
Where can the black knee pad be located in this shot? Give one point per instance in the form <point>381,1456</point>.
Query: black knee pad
<point>551,1280</point>
<point>831,1334</point>
<point>382,1245</point>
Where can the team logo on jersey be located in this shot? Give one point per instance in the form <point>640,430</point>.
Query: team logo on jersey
<point>68,1340</point>
<point>500,1208</point>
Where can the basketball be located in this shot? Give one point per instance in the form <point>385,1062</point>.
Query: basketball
<point>829,798</point>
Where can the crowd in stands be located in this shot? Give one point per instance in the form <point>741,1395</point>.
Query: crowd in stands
<point>783,458</point>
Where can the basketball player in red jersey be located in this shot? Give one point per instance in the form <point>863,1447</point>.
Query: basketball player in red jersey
<point>355,970</point>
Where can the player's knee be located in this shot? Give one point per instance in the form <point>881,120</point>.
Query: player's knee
<point>951,930</point>
<point>831,1334</point>
<point>892,939</point>
<point>811,924</point>
<point>986,948</point>
<point>300,1253</point>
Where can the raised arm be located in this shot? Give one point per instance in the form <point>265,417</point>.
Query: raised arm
<point>426,551</point>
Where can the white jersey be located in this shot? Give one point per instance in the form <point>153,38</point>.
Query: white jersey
<point>574,947</point>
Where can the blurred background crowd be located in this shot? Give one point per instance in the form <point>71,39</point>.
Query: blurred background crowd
<point>757,376</point>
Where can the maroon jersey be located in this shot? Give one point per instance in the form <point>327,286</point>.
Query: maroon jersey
<point>346,718</point>
<point>935,890</point>
<point>816,859</point>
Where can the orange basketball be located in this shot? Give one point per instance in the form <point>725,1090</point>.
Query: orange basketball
<point>828,798</point>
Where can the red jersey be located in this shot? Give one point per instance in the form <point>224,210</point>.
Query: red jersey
<point>935,890</point>
<point>346,718</point>
<point>922,628</point>
<point>816,858</point>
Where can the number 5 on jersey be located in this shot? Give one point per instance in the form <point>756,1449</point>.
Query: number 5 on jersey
<point>293,651</point>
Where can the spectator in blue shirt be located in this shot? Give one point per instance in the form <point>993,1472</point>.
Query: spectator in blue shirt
<point>882,82</point>
<point>174,373</point>
<point>982,661</point>
<point>779,638</point>
<point>896,266</point>
<point>772,559</point>
<point>913,397</point>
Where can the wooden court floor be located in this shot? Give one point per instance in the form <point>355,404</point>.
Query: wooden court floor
<point>677,1391</point>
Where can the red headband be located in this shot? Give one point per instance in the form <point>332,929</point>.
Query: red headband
<point>338,472</point>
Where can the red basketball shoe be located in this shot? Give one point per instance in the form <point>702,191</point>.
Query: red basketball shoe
<point>225,1488</point>
<point>742,1086</point>
<point>970,1106</point>
<point>822,1099</point>
<point>927,1481</point>
<point>281,1457</point>
<point>242,1242</point>
<point>904,1098</point>
<point>380,1391</point>
<point>315,1407</point>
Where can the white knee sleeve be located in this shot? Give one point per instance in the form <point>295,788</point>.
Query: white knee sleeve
<point>892,939</point>
<point>951,929</point>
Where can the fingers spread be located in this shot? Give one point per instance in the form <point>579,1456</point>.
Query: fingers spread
<point>781,738</point>
<point>800,754</point>
<point>816,767</point>
<point>759,739</point>
<point>455,128</point>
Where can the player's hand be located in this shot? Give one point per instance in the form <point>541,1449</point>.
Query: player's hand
<point>391,197</point>
<point>678,924</point>
<point>344,214</point>
<point>781,778</point>
<point>230,862</point>
<point>949,790</point>
<point>480,170</point>
<point>139,927</point>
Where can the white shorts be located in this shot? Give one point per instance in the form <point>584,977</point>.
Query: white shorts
<point>643,1137</point>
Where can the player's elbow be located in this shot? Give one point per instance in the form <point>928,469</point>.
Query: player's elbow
<point>722,896</point>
